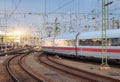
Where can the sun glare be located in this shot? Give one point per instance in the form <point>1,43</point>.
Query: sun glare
<point>18,33</point>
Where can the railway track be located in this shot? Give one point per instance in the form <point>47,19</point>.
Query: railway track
<point>112,63</point>
<point>88,76</point>
<point>18,72</point>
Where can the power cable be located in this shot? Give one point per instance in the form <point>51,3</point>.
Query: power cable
<point>62,6</point>
<point>15,8</point>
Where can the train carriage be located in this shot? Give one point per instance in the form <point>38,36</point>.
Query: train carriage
<point>90,44</point>
<point>86,44</point>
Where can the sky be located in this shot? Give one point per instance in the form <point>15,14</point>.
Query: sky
<point>51,5</point>
<point>60,9</point>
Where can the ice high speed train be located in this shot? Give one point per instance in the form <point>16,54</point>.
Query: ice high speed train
<point>84,44</point>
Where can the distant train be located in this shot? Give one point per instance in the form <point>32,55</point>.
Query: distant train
<point>84,44</point>
<point>4,45</point>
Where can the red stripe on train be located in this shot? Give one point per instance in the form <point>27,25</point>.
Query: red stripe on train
<point>84,49</point>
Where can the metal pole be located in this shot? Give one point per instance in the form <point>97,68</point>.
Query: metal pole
<point>5,16</point>
<point>103,31</point>
<point>104,64</point>
<point>56,27</point>
<point>6,35</point>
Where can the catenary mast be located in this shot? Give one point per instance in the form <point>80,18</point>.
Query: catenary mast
<point>104,64</point>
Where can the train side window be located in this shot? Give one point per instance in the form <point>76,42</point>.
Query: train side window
<point>90,42</point>
<point>65,42</point>
<point>70,42</point>
<point>82,42</point>
<point>61,42</point>
<point>85,42</point>
<point>96,42</point>
<point>115,41</point>
<point>118,41</point>
<point>48,43</point>
<point>109,42</point>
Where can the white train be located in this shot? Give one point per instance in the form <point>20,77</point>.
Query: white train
<point>84,44</point>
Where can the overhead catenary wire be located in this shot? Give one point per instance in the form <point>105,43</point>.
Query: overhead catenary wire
<point>16,7</point>
<point>62,6</point>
